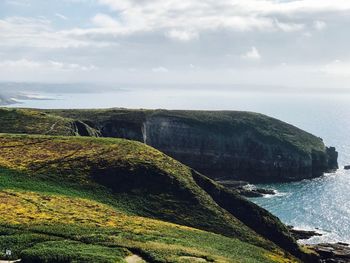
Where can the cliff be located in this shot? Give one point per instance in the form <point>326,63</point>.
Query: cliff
<point>221,144</point>
<point>224,145</point>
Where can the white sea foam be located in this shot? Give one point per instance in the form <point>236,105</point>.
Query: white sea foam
<point>276,194</point>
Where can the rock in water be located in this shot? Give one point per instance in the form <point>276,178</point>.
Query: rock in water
<point>302,234</point>
<point>246,189</point>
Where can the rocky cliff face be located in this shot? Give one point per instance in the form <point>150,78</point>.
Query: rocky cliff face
<point>240,154</point>
<point>223,145</point>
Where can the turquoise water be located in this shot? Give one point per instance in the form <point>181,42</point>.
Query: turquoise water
<point>322,203</point>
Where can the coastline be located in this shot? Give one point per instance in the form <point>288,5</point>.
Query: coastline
<point>322,244</point>
<point>338,252</point>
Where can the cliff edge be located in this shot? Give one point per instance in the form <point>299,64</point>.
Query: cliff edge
<point>224,145</point>
<point>221,144</point>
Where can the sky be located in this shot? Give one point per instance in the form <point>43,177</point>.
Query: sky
<point>248,43</point>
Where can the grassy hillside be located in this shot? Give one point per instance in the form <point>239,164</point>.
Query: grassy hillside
<point>33,122</point>
<point>36,122</point>
<point>69,199</point>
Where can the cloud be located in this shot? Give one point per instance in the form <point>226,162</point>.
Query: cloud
<point>63,17</point>
<point>181,21</point>
<point>252,54</point>
<point>180,17</point>
<point>160,70</point>
<point>319,25</point>
<point>185,21</point>
<point>39,33</point>
<point>166,36</point>
<point>337,68</point>
<point>268,7</point>
<point>262,7</point>
<point>19,3</point>
<point>183,36</point>
<point>289,27</point>
<point>19,64</point>
<point>30,65</point>
<point>102,20</point>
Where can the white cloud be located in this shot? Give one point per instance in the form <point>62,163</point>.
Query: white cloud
<point>182,35</point>
<point>134,35</point>
<point>19,64</point>
<point>102,20</point>
<point>248,6</point>
<point>265,7</point>
<point>337,68</point>
<point>63,17</point>
<point>30,65</point>
<point>185,20</point>
<point>201,15</point>
<point>289,27</point>
<point>20,3</point>
<point>178,20</point>
<point>319,25</point>
<point>160,70</point>
<point>252,54</point>
<point>39,33</point>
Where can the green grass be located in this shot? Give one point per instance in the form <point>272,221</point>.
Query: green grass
<point>30,121</point>
<point>163,244</point>
<point>33,122</point>
<point>97,194</point>
<point>31,219</point>
<point>71,251</point>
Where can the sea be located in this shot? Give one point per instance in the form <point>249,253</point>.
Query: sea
<point>321,204</point>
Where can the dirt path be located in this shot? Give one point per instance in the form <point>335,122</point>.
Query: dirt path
<point>133,259</point>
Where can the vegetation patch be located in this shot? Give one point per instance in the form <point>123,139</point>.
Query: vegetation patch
<point>72,251</point>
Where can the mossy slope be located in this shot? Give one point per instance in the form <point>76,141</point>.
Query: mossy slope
<point>28,121</point>
<point>103,192</point>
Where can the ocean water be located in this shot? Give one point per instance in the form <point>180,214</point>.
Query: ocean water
<point>322,203</point>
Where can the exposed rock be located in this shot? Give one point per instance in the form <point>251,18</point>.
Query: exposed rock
<point>232,184</point>
<point>332,155</point>
<point>82,129</point>
<point>347,167</point>
<point>246,189</point>
<point>302,234</point>
<point>333,253</point>
<point>252,191</point>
